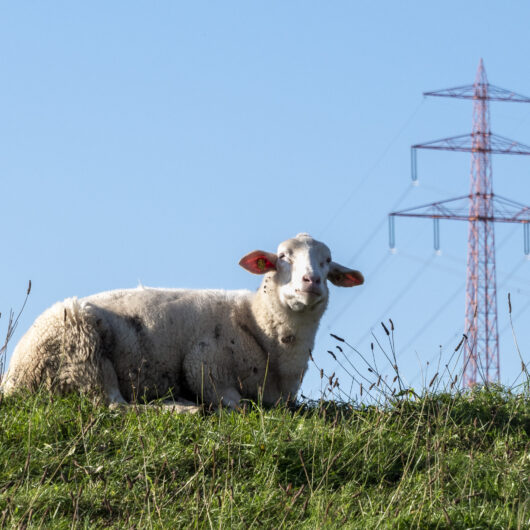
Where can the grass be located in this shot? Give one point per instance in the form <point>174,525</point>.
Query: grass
<point>439,461</point>
<point>388,459</point>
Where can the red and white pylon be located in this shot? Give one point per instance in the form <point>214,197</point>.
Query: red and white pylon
<point>481,353</point>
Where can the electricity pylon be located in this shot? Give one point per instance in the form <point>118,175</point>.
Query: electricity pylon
<point>481,208</point>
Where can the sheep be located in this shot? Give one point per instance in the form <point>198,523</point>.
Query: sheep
<point>209,346</point>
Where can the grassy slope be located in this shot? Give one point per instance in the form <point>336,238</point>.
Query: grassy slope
<point>435,462</point>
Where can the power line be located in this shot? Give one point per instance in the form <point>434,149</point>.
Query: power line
<point>381,224</point>
<point>432,318</point>
<point>363,245</point>
<point>351,300</point>
<point>398,297</point>
<point>371,275</point>
<point>371,170</point>
<point>444,306</point>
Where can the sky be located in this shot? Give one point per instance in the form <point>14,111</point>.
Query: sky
<point>157,143</point>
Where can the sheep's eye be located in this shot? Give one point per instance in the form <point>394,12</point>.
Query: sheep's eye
<point>329,260</point>
<point>282,255</point>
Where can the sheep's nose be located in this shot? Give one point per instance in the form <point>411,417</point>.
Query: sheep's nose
<point>311,279</point>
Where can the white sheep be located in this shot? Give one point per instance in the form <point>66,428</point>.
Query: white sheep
<point>210,346</point>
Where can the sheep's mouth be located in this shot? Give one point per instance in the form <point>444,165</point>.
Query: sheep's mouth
<point>312,292</point>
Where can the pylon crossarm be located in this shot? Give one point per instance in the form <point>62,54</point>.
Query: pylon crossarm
<point>501,145</point>
<point>515,211</point>
<point>436,209</point>
<point>455,143</point>
<point>494,209</point>
<point>494,93</point>
<point>467,143</point>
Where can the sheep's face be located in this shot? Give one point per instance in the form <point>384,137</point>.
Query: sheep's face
<point>302,265</point>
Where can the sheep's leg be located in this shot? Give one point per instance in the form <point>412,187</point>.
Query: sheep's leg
<point>230,398</point>
<point>110,384</point>
<point>115,399</point>
<point>209,378</point>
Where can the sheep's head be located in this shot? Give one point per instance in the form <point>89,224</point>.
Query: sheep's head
<point>299,271</point>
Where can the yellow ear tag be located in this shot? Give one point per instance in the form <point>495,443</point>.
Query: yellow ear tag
<point>261,264</point>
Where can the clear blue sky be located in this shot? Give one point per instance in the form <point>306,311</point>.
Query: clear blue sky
<point>158,142</point>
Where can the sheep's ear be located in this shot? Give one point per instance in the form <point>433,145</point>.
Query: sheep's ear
<point>344,277</point>
<point>259,262</point>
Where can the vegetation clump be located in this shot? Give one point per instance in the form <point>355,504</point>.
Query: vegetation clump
<point>437,461</point>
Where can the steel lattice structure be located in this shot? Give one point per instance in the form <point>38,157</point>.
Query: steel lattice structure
<point>481,208</point>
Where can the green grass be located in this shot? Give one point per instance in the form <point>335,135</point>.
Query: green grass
<point>439,461</point>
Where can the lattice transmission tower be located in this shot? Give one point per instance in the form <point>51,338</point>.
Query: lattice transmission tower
<point>481,208</point>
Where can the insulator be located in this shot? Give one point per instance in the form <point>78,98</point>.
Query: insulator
<point>391,232</point>
<point>436,226</point>
<point>414,164</point>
